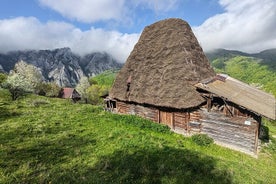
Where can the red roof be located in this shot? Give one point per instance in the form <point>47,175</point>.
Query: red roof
<point>69,93</point>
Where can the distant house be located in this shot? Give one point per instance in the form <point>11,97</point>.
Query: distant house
<point>168,79</point>
<point>70,93</point>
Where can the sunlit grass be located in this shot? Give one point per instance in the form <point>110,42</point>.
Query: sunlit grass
<point>44,140</point>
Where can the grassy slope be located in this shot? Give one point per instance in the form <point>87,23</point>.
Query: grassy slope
<point>249,70</point>
<point>46,140</point>
<point>106,78</point>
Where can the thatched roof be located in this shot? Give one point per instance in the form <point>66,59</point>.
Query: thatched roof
<point>163,67</point>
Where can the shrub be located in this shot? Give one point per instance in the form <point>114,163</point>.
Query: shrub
<point>49,89</point>
<point>264,133</point>
<point>3,78</point>
<point>95,92</point>
<point>4,95</point>
<point>202,139</point>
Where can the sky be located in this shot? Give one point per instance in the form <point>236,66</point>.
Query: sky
<point>114,26</point>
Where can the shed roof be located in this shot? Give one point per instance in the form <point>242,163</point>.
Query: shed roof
<point>163,67</point>
<point>242,94</point>
<point>70,93</point>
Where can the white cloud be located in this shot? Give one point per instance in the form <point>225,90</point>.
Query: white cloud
<point>29,33</point>
<point>117,44</point>
<point>247,25</point>
<point>90,11</point>
<point>86,10</point>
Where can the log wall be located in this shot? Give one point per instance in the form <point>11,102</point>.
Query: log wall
<point>181,120</point>
<point>142,111</point>
<point>238,131</point>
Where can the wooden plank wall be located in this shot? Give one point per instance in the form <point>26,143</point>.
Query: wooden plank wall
<point>178,120</point>
<point>145,112</point>
<point>181,120</point>
<point>166,118</point>
<point>194,122</point>
<point>123,107</point>
<point>230,131</point>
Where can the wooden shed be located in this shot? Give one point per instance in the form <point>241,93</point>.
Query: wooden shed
<point>164,80</point>
<point>69,93</point>
<point>233,111</point>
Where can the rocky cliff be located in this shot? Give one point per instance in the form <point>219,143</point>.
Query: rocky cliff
<point>61,65</point>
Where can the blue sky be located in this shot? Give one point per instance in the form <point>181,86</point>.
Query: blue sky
<point>114,26</point>
<point>193,11</point>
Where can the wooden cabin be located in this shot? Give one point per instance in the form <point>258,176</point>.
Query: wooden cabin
<point>69,93</point>
<point>168,79</point>
<point>233,111</point>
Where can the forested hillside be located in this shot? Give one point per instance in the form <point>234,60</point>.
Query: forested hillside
<point>255,69</point>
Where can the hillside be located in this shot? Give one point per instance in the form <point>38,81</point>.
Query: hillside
<point>61,65</point>
<point>80,143</point>
<point>256,69</point>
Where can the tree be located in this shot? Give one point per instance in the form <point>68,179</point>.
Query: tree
<point>82,87</point>
<point>3,78</point>
<point>95,92</point>
<point>24,78</point>
<point>17,85</point>
<point>29,72</point>
<point>49,89</point>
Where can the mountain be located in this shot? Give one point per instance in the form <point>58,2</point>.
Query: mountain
<point>266,57</point>
<point>61,65</point>
<point>258,69</point>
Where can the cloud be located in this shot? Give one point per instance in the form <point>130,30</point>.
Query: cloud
<point>23,33</point>
<point>247,25</point>
<point>90,11</point>
<point>119,45</point>
<point>86,10</point>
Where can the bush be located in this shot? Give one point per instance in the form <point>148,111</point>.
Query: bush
<point>202,139</point>
<point>95,92</point>
<point>3,78</point>
<point>4,95</point>
<point>49,89</point>
<point>264,133</point>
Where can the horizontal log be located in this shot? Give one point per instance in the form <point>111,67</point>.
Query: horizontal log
<point>180,126</point>
<point>225,122</point>
<point>231,135</point>
<point>244,141</point>
<point>180,114</point>
<point>228,127</point>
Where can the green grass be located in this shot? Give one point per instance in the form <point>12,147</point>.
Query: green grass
<point>249,70</point>
<point>44,140</point>
<point>106,78</point>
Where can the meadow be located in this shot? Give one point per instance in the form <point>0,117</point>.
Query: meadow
<point>49,140</point>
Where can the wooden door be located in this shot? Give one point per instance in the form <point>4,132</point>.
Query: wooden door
<point>166,118</point>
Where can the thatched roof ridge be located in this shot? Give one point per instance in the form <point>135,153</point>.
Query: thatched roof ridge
<point>163,67</point>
